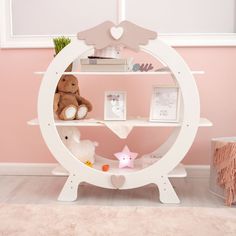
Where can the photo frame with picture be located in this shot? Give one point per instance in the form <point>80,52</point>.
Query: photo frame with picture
<point>115,105</point>
<point>165,104</point>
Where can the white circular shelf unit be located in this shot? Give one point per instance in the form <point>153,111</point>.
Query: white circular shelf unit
<point>174,149</point>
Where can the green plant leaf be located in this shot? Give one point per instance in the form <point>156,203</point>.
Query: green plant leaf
<point>60,43</point>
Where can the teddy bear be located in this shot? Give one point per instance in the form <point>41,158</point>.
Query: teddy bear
<point>68,104</point>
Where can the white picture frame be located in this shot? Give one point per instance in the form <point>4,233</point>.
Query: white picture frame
<point>115,105</point>
<point>165,104</point>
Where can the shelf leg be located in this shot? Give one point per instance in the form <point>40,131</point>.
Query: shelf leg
<point>70,189</point>
<point>166,191</point>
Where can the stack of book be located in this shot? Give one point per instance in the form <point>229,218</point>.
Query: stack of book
<point>105,65</point>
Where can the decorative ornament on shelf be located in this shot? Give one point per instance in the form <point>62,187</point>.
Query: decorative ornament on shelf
<point>126,34</point>
<point>68,104</point>
<point>126,158</point>
<point>105,167</point>
<point>83,150</point>
<point>115,105</point>
<point>108,52</point>
<point>143,67</point>
<point>59,44</point>
<point>89,164</point>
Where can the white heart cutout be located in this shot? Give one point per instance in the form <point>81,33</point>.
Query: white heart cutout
<point>116,32</point>
<point>117,181</point>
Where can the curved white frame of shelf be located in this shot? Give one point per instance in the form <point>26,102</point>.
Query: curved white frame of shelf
<point>156,173</point>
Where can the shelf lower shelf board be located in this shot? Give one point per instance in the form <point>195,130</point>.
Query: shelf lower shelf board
<point>150,73</point>
<point>178,172</point>
<point>141,122</point>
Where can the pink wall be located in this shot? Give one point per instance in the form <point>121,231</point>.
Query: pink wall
<point>22,143</point>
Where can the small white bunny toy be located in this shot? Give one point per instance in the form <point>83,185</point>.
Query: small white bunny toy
<point>84,150</point>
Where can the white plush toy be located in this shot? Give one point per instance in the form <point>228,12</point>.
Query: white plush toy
<point>84,150</point>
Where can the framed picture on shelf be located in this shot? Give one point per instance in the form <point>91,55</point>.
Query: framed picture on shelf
<point>115,105</point>
<point>165,104</point>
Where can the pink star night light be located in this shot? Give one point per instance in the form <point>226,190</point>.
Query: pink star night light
<point>126,158</point>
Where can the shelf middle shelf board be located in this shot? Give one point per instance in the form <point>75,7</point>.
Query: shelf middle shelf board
<point>151,73</point>
<point>142,122</point>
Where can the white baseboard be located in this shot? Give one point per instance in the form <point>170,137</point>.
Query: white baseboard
<point>198,171</point>
<point>45,169</point>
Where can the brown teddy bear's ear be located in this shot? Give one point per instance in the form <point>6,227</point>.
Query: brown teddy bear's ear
<point>78,92</point>
<point>61,86</point>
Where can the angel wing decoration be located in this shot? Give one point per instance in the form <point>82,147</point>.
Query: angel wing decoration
<point>125,34</point>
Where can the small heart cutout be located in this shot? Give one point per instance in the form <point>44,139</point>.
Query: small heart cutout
<point>117,181</point>
<point>116,32</point>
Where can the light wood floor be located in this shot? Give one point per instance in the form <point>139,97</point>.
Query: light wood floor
<point>45,189</point>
